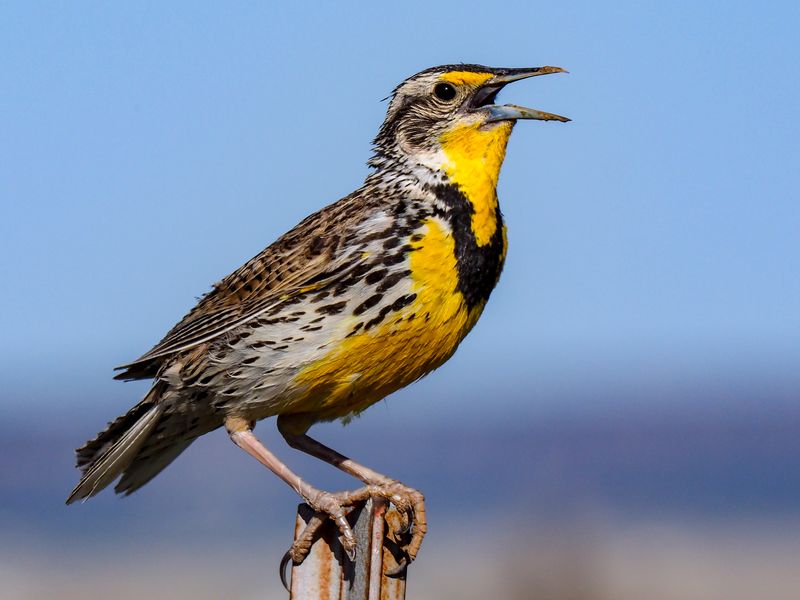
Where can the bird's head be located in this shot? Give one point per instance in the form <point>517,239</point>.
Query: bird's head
<point>451,109</point>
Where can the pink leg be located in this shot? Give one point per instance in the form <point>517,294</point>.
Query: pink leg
<point>241,433</point>
<point>410,503</point>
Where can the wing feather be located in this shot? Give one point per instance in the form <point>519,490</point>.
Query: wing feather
<point>307,258</point>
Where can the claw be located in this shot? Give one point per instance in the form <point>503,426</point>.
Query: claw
<point>399,570</point>
<point>351,552</point>
<point>287,558</point>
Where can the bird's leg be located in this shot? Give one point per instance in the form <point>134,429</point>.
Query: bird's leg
<point>324,503</point>
<point>409,502</point>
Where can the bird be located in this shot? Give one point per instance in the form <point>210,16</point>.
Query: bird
<point>357,301</point>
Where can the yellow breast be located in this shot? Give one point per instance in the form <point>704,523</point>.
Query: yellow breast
<point>362,368</point>
<point>366,367</point>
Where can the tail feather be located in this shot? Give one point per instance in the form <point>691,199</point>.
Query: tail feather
<point>144,468</point>
<point>103,459</point>
<point>88,454</point>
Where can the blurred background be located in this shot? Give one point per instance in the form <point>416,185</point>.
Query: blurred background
<point>623,423</point>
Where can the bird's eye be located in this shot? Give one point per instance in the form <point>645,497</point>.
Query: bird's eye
<point>444,91</point>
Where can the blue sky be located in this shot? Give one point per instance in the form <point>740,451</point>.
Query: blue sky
<point>147,150</point>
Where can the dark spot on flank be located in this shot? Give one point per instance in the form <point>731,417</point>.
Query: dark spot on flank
<point>404,232</point>
<point>355,329</point>
<point>392,242</point>
<point>383,312</point>
<point>250,360</point>
<point>403,301</point>
<point>332,309</point>
<point>361,270</point>
<point>390,281</point>
<point>375,276</point>
<point>367,304</point>
<point>394,259</point>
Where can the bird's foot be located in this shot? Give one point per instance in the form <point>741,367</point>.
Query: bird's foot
<point>410,524</point>
<point>410,505</point>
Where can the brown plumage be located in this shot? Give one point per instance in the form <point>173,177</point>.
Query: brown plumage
<point>307,256</point>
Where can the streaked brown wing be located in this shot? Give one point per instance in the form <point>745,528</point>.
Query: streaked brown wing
<point>303,260</point>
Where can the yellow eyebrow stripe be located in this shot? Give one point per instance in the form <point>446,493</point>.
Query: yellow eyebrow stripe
<point>466,77</point>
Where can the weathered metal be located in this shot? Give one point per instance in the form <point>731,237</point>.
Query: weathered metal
<point>327,573</point>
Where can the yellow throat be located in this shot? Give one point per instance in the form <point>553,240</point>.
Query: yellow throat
<point>474,155</point>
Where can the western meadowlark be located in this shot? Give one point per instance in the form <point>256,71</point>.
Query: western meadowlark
<point>360,299</point>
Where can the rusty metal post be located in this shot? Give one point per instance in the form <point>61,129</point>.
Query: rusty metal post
<point>327,572</point>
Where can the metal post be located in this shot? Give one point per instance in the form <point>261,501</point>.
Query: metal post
<point>327,572</point>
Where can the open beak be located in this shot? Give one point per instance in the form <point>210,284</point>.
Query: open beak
<point>484,98</point>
